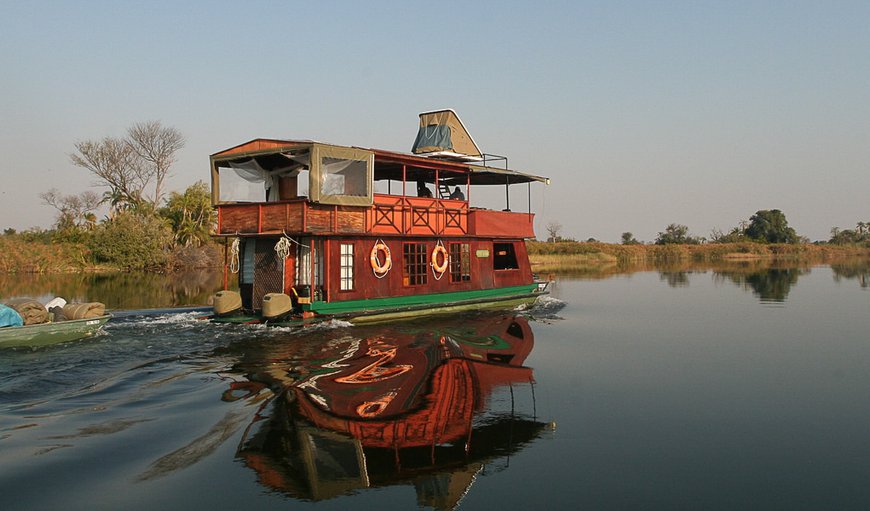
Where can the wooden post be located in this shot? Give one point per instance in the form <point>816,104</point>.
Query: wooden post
<point>404,201</point>
<point>327,247</point>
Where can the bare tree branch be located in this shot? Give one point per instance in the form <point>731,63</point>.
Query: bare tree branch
<point>73,210</point>
<point>553,229</point>
<point>116,166</point>
<point>156,145</point>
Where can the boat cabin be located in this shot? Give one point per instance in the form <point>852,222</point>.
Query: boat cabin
<point>341,228</point>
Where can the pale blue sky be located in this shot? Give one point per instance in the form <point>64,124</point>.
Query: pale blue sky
<point>642,113</point>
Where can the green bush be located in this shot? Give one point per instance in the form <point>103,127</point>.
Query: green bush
<point>132,241</point>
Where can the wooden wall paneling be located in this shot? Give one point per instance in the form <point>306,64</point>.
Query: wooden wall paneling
<point>239,220</point>
<point>319,220</point>
<point>350,220</point>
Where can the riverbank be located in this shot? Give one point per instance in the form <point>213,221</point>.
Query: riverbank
<point>19,256</point>
<point>573,256</point>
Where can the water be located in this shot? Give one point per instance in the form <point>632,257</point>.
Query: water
<point>681,389</point>
<point>116,290</point>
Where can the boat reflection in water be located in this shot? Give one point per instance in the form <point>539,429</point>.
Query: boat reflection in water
<point>410,405</point>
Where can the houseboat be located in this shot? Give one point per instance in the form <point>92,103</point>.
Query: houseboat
<point>339,231</point>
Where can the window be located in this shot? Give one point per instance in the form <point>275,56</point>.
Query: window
<point>346,264</point>
<point>305,263</point>
<point>414,271</point>
<point>460,262</point>
<point>505,258</point>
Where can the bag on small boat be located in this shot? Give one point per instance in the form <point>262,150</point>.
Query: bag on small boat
<point>9,317</point>
<point>31,311</point>
<point>84,310</point>
<point>57,314</point>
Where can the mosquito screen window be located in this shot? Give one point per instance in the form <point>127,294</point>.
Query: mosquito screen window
<point>341,175</point>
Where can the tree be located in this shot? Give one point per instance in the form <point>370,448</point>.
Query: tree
<point>156,145</point>
<point>128,166</point>
<point>849,236</point>
<point>553,229</point>
<point>843,237</point>
<point>676,234</point>
<point>191,214</point>
<point>628,239</point>
<point>116,166</point>
<point>74,211</point>
<point>770,226</point>
<point>9,231</point>
<point>735,235</point>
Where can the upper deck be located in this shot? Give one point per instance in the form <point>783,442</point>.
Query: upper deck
<point>313,188</point>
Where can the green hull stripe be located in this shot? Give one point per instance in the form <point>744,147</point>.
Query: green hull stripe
<point>417,301</point>
<point>410,312</point>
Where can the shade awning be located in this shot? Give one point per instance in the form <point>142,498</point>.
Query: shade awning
<point>492,176</point>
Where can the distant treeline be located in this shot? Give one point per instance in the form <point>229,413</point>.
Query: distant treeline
<point>547,256</point>
<point>765,226</point>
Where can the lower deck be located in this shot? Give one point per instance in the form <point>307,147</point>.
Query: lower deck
<point>335,275</point>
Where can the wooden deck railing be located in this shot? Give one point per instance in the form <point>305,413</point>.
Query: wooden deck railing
<point>389,215</point>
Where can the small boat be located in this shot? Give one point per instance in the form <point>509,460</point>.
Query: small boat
<point>333,231</point>
<point>55,332</point>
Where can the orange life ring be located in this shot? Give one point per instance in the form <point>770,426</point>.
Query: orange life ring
<point>377,266</point>
<point>440,268</point>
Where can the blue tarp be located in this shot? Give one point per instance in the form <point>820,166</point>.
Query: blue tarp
<point>8,317</point>
<point>433,138</point>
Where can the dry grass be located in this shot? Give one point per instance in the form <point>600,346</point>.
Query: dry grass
<point>19,256</point>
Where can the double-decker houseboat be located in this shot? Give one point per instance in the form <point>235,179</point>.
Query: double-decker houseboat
<point>340,231</point>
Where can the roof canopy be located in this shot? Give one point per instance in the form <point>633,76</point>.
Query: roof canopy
<point>279,156</point>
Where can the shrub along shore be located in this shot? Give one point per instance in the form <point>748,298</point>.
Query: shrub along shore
<point>579,255</point>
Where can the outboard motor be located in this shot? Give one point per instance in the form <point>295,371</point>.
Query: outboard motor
<point>227,303</point>
<point>276,306</point>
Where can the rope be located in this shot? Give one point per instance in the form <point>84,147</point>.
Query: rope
<point>234,256</point>
<point>294,241</point>
<point>282,248</point>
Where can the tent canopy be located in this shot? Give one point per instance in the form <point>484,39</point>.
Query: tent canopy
<point>443,135</point>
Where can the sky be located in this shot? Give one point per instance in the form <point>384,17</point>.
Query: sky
<point>642,113</point>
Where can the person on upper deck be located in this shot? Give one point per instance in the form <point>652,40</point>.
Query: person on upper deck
<point>457,194</point>
<point>423,190</point>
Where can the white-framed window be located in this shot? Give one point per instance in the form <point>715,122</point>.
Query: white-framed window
<point>346,264</point>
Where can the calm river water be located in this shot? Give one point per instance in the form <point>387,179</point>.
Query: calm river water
<point>733,388</point>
